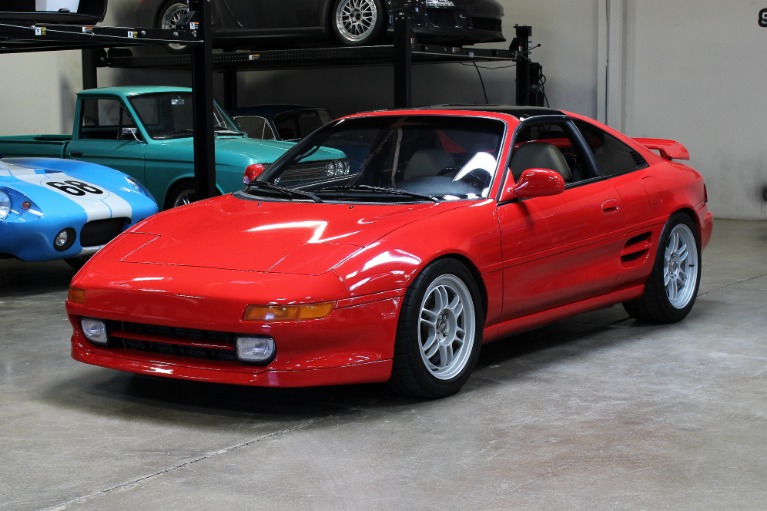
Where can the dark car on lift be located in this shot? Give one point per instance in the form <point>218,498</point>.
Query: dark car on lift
<point>280,122</point>
<point>53,11</point>
<point>258,23</point>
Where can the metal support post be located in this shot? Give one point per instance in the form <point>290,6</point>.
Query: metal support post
<point>89,58</point>
<point>403,73</point>
<point>202,94</point>
<point>523,63</point>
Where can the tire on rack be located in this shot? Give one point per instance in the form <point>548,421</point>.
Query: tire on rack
<point>439,332</point>
<point>167,17</point>
<point>672,287</point>
<point>358,22</point>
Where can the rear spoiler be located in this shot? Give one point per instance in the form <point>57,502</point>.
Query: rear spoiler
<point>668,149</point>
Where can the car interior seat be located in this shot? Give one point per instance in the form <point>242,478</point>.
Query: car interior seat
<point>427,162</point>
<point>539,155</point>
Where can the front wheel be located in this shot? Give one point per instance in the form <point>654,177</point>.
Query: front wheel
<point>357,22</point>
<point>439,332</point>
<point>673,284</point>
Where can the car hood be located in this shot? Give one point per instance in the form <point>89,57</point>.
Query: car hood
<point>227,148</point>
<point>264,236</point>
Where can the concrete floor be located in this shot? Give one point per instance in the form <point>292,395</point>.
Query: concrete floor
<point>595,413</point>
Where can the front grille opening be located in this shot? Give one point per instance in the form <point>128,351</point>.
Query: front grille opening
<point>101,232</point>
<point>173,341</point>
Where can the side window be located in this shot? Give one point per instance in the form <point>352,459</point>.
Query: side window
<point>100,119</point>
<point>550,145</point>
<point>611,155</point>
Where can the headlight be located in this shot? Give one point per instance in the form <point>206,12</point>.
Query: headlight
<point>5,205</point>
<point>338,168</point>
<point>439,3</point>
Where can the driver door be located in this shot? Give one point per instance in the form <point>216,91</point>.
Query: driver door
<point>108,135</point>
<point>563,248</point>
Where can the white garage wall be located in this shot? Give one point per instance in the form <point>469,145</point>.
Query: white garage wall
<point>685,69</point>
<point>695,71</point>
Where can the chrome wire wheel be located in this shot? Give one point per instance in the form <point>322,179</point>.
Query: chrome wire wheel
<point>356,20</point>
<point>447,327</point>
<point>680,266</point>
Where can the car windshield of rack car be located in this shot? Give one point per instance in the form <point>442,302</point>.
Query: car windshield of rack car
<point>389,159</point>
<point>170,115</point>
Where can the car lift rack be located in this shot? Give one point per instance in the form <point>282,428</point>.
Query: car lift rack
<point>104,46</point>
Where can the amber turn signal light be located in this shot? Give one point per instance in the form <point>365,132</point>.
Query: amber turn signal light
<point>76,295</point>
<point>300,312</point>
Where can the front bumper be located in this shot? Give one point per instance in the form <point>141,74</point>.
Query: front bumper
<point>354,344</point>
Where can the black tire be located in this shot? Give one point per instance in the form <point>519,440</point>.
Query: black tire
<point>672,287</point>
<point>180,194</point>
<point>357,22</point>
<point>439,332</point>
<point>167,17</point>
<point>77,262</point>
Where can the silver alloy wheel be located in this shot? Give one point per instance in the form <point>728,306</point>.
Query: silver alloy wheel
<point>447,327</point>
<point>680,266</point>
<point>172,14</point>
<point>356,19</point>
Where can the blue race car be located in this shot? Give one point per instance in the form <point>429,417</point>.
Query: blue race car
<point>65,209</point>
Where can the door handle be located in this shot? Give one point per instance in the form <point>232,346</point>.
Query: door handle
<point>75,153</point>
<point>610,206</point>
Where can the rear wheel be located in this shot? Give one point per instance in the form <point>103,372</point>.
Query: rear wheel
<point>439,332</point>
<point>357,22</point>
<point>672,288</point>
<point>181,194</point>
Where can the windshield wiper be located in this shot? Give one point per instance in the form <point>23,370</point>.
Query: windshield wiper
<point>287,192</point>
<point>381,189</point>
<point>173,134</point>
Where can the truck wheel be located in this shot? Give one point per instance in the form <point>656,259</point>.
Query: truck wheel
<point>181,194</point>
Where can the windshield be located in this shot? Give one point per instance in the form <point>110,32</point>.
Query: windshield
<point>171,115</point>
<point>392,158</point>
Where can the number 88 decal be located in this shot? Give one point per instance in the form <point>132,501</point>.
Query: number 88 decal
<point>76,188</point>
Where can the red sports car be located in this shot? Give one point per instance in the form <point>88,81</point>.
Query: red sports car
<point>389,246</point>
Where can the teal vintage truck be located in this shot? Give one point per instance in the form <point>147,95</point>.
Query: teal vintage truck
<point>146,132</point>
